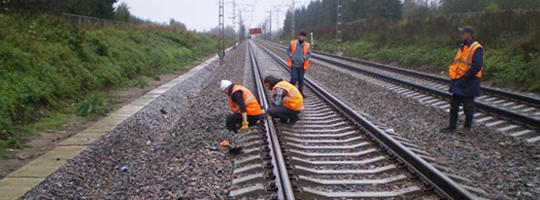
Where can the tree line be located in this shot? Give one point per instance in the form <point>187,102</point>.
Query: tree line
<point>103,9</point>
<point>96,8</point>
<point>324,12</point>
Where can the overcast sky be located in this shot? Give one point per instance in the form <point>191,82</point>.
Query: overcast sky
<point>202,15</point>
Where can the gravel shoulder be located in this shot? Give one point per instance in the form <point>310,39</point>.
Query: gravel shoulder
<point>170,148</point>
<point>505,169</point>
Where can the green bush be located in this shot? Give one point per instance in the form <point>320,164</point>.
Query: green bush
<point>46,63</point>
<point>14,143</point>
<point>139,82</point>
<point>94,104</point>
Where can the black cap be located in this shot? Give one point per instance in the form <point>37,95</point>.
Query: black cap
<point>466,29</point>
<point>271,80</point>
<point>303,34</point>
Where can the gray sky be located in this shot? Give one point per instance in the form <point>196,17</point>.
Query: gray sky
<point>202,15</point>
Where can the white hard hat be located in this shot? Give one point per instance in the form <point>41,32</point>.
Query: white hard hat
<point>225,84</point>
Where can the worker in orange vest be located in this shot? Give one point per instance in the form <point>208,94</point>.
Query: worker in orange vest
<point>299,54</point>
<point>465,78</point>
<point>287,102</point>
<point>244,105</point>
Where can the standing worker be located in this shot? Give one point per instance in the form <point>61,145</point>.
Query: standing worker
<point>245,107</point>
<point>299,55</point>
<point>286,100</point>
<point>465,74</point>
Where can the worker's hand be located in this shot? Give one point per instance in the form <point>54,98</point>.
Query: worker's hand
<point>245,126</point>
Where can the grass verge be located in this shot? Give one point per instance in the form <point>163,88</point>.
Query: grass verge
<point>51,70</point>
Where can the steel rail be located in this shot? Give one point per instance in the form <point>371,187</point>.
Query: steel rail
<point>511,95</point>
<point>441,183</point>
<point>510,115</point>
<point>283,184</point>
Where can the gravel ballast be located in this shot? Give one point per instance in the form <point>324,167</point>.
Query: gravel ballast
<point>505,168</point>
<point>168,150</point>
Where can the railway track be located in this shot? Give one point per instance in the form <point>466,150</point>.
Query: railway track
<point>332,152</point>
<point>513,114</point>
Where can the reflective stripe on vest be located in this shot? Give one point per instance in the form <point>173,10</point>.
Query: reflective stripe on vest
<point>463,61</point>
<point>294,100</point>
<point>293,50</point>
<point>252,105</point>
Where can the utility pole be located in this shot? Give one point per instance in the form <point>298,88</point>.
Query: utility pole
<point>240,26</point>
<point>234,19</point>
<point>277,18</point>
<point>311,40</point>
<point>270,26</point>
<point>246,8</point>
<point>221,36</point>
<point>293,20</point>
<point>339,21</point>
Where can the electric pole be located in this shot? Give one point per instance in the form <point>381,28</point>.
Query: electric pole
<point>221,36</point>
<point>293,20</point>
<point>234,19</point>
<point>240,26</point>
<point>339,21</point>
<point>270,26</point>
<point>277,18</point>
<point>311,40</point>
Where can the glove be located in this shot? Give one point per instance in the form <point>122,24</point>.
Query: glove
<point>245,125</point>
<point>224,143</point>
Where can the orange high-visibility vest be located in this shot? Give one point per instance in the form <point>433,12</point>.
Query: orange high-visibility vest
<point>463,61</point>
<point>294,100</point>
<point>252,105</point>
<point>306,49</point>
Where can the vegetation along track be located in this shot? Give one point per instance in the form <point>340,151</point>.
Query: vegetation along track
<point>515,114</point>
<point>332,152</point>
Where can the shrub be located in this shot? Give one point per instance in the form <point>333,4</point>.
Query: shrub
<point>139,82</point>
<point>46,63</point>
<point>13,142</point>
<point>94,104</point>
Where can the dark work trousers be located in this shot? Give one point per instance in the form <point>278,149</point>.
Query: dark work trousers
<point>468,108</point>
<point>236,119</point>
<point>283,113</point>
<point>297,75</point>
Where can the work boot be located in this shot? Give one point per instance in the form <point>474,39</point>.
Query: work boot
<point>468,121</point>
<point>452,124</point>
<point>292,122</point>
<point>448,129</point>
<point>235,150</point>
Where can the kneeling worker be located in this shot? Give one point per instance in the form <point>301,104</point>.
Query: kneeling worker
<point>286,99</point>
<point>245,107</point>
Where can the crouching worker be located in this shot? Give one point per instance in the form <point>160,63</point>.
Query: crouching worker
<point>287,102</point>
<point>245,107</point>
